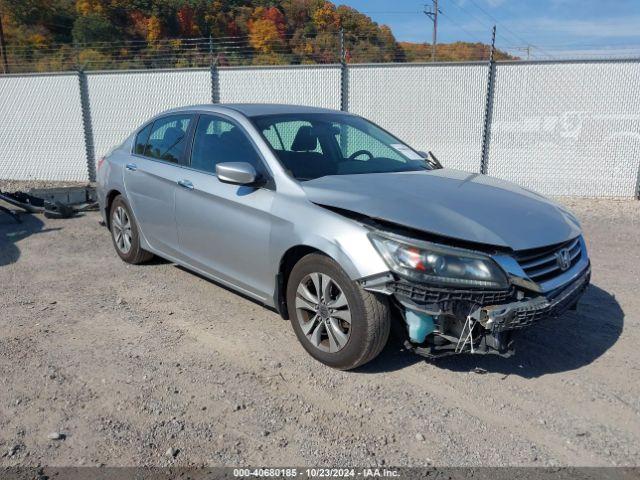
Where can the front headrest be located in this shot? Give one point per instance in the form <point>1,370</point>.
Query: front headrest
<point>305,140</point>
<point>232,135</point>
<point>173,134</point>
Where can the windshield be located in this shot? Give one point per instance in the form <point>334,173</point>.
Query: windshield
<point>318,144</point>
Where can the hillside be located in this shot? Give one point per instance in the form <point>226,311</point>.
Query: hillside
<point>450,52</point>
<point>60,34</point>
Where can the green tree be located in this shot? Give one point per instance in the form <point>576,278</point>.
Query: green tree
<point>93,28</point>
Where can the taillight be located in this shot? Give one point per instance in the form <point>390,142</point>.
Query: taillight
<point>100,162</point>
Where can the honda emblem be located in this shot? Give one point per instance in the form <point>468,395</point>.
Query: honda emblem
<point>563,258</point>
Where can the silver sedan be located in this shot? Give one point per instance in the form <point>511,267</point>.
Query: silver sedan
<point>343,228</point>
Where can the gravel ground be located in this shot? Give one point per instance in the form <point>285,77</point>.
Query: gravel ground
<point>27,185</point>
<point>102,363</point>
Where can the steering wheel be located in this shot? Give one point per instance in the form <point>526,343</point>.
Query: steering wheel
<point>355,155</point>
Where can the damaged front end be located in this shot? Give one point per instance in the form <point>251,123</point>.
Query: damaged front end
<point>476,302</point>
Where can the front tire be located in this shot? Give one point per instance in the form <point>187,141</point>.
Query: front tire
<point>338,322</point>
<point>125,233</point>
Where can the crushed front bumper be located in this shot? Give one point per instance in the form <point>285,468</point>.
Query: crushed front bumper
<point>477,321</point>
<point>520,314</point>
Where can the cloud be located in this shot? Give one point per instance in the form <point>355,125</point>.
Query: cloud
<point>495,3</point>
<point>622,52</point>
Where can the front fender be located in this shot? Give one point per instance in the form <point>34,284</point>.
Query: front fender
<point>341,238</point>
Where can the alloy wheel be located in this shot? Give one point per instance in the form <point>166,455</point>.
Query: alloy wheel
<point>121,228</point>
<point>323,312</point>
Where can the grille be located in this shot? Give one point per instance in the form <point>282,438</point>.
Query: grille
<point>541,264</point>
<point>422,294</point>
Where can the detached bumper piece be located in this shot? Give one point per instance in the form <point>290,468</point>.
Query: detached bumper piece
<point>33,204</point>
<point>443,321</point>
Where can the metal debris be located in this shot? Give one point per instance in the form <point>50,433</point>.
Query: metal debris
<point>50,209</point>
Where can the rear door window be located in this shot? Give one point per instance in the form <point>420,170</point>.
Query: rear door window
<point>168,138</point>
<point>141,139</point>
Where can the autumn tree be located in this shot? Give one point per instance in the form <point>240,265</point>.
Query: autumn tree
<point>326,18</point>
<point>37,21</point>
<point>243,32</point>
<point>89,7</point>
<point>154,29</point>
<point>267,30</point>
<point>186,21</point>
<point>138,23</point>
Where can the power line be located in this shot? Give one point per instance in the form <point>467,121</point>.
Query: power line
<point>503,26</point>
<point>390,13</point>
<point>496,21</point>
<point>485,26</point>
<point>459,25</point>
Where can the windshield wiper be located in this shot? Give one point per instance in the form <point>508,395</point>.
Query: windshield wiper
<point>433,161</point>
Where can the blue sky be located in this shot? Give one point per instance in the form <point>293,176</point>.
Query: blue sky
<point>556,27</point>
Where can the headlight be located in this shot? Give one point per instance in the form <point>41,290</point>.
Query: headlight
<point>439,265</point>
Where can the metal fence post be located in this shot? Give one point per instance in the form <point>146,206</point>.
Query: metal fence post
<point>215,82</point>
<point>344,76</point>
<point>86,125</point>
<point>488,107</point>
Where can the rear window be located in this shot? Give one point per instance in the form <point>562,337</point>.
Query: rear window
<point>141,139</point>
<point>168,138</point>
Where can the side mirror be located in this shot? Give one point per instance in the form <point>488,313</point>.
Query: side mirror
<point>238,173</point>
<point>422,154</point>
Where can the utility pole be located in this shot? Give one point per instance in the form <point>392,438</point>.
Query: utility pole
<point>433,15</point>
<point>3,49</point>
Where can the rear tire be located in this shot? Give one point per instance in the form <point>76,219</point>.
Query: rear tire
<point>125,234</point>
<point>358,341</point>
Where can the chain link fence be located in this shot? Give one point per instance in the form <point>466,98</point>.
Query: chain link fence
<point>41,131</point>
<point>569,128</point>
<point>313,85</point>
<point>557,127</point>
<point>121,101</point>
<point>432,107</point>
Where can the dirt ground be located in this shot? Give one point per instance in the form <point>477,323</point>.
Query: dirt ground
<point>153,365</point>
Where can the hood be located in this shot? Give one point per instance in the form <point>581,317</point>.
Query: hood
<point>450,203</point>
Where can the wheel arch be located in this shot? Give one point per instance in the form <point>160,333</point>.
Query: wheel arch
<point>111,195</point>
<point>292,256</point>
<point>288,260</point>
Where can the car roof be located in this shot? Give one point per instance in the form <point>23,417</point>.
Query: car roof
<point>256,109</point>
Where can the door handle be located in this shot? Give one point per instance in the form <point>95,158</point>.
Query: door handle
<point>185,184</point>
<point>132,167</point>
